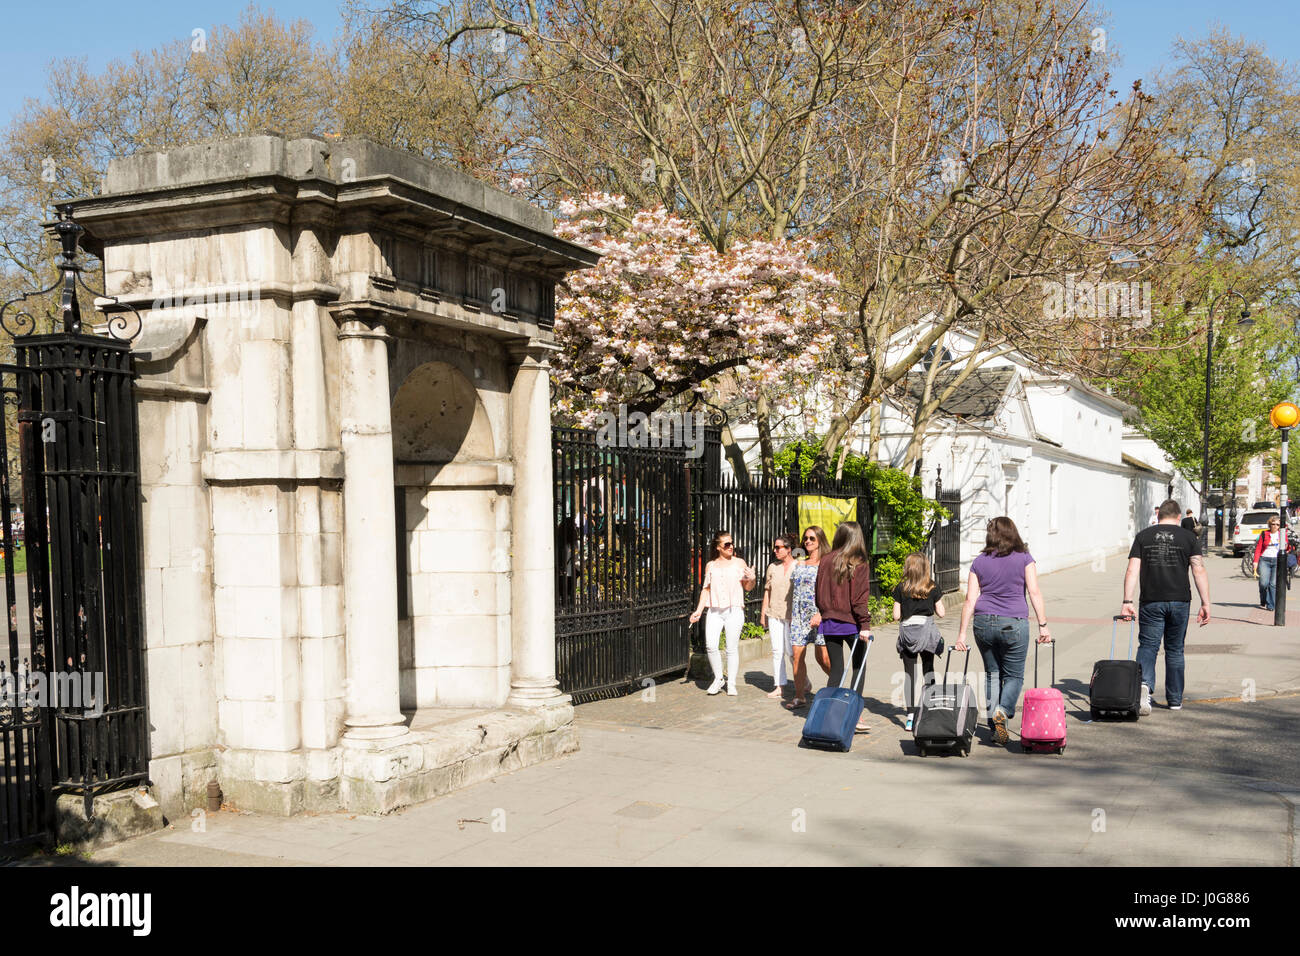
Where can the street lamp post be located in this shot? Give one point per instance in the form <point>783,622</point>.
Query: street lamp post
<point>1205,457</point>
<point>1283,417</point>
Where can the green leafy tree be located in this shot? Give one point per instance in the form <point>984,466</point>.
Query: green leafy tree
<point>1252,370</point>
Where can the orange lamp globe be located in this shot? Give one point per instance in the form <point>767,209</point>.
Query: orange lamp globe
<point>1284,415</point>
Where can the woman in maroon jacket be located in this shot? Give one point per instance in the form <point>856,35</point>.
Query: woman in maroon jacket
<point>843,598</point>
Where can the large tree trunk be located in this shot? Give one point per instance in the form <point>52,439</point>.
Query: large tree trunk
<point>916,444</point>
<point>735,456</point>
<point>766,452</point>
<point>877,413</point>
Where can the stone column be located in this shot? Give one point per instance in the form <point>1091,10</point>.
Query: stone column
<point>532,562</point>
<point>369,533</point>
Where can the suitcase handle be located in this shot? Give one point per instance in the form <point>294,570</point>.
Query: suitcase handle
<point>948,661</point>
<point>1053,643</point>
<point>1114,627</point>
<point>853,650</point>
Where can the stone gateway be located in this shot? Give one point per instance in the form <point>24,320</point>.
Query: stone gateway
<point>344,414</point>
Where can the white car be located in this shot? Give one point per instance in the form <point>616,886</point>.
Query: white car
<point>1249,528</point>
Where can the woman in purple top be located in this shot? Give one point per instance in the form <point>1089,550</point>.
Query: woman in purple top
<point>999,578</point>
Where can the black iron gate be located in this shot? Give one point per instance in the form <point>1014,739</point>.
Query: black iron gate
<point>72,688</point>
<point>633,528</point>
<point>622,593</point>
<point>946,539</point>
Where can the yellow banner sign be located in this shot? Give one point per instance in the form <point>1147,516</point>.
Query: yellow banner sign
<point>826,512</point>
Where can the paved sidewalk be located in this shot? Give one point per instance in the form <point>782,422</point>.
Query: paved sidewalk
<point>1238,653</point>
<point>678,777</point>
<point>647,797</point>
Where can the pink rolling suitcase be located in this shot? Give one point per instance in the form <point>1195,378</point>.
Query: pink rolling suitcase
<point>1042,722</point>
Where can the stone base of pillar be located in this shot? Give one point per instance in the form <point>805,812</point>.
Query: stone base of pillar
<point>114,817</point>
<point>280,783</point>
<point>525,693</point>
<point>383,776</point>
<point>385,729</point>
<point>380,776</point>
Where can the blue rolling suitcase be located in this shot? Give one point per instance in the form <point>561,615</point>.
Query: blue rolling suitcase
<point>834,713</point>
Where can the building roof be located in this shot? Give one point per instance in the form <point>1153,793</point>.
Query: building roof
<point>1134,462</point>
<point>977,398</point>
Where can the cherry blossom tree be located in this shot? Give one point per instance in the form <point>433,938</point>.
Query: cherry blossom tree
<point>664,311</point>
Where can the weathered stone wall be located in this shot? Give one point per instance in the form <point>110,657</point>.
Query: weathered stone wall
<point>291,291</point>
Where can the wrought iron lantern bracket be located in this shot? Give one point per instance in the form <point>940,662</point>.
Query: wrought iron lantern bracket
<point>123,323</point>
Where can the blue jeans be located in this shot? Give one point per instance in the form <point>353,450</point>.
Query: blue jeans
<point>1268,581</point>
<point>1003,642</point>
<point>1167,620</point>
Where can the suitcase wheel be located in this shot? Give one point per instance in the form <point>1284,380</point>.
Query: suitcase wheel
<point>1133,715</point>
<point>923,751</point>
<point>1096,714</point>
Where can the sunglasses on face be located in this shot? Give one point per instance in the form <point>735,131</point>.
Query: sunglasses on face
<point>726,544</point>
<point>779,547</point>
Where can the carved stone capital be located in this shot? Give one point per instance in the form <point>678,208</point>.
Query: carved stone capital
<point>363,321</point>
<point>531,353</point>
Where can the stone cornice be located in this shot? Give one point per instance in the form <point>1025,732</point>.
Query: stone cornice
<point>196,297</point>
<point>538,350</point>
<point>149,388</point>
<point>311,201</point>
<point>271,465</point>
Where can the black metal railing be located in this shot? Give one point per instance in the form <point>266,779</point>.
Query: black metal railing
<point>72,684</point>
<point>89,478</point>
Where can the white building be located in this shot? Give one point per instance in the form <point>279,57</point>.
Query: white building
<point>1054,454</point>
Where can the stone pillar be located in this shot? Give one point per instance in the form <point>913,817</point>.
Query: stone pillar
<point>369,533</point>
<point>532,562</point>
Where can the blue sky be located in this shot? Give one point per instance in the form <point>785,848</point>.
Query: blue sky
<point>104,30</point>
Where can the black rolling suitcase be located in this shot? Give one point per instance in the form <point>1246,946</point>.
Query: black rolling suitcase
<point>945,719</point>
<point>1115,691</point>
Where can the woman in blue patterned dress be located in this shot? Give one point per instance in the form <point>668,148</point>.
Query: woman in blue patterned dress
<point>804,617</point>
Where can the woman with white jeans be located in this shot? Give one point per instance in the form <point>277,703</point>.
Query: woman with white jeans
<point>777,609</point>
<point>726,579</point>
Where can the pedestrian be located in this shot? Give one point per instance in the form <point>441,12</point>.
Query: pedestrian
<point>1159,561</point>
<point>1000,577</point>
<point>804,619</point>
<point>776,611</point>
<point>843,600</point>
<point>1189,522</point>
<point>1155,517</point>
<point>726,579</point>
<point>1269,547</point>
<point>917,602</point>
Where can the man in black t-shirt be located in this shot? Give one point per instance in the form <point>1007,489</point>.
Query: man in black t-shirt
<point>1189,522</point>
<point>1159,559</point>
